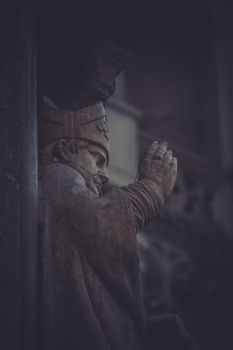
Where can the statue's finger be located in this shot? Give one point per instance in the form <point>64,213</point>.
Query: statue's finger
<point>153,148</point>
<point>161,150</point>
<point>168,157</point>
<point>174,164</point>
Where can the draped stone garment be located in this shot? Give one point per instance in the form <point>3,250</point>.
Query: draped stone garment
<point>90,291</point>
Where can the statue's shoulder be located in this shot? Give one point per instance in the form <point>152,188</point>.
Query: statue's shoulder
<point>61,173</point>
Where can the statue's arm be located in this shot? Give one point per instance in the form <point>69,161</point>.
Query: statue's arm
<point>67,193</point>
<point>146,199</point>
<point>157,177</point>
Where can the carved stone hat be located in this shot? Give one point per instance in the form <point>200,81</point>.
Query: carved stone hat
<point>88,124</point>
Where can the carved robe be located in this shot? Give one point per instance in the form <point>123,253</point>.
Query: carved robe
<point>90,298</point>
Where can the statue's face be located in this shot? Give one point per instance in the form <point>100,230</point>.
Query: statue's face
<point>94,160</point>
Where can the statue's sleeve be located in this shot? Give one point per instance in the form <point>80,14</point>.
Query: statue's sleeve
<point>146,199</point>
<point>66,190</point>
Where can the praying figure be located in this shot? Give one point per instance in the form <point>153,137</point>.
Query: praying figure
<point>89,265</point>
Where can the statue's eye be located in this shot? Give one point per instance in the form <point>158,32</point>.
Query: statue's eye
<point>98,158</point>
<point>100,161</point>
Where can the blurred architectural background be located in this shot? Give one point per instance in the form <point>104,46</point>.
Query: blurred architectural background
<point>178,87</point>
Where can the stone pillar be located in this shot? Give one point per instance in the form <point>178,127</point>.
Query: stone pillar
<point>10,159</point>
<point>18,177</point>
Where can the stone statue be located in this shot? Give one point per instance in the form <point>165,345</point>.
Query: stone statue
<point>90,297</point>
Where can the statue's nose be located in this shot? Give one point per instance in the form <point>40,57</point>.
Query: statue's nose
<point>103,174</point>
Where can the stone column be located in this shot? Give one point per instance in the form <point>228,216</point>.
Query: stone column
<point>18,176</point>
